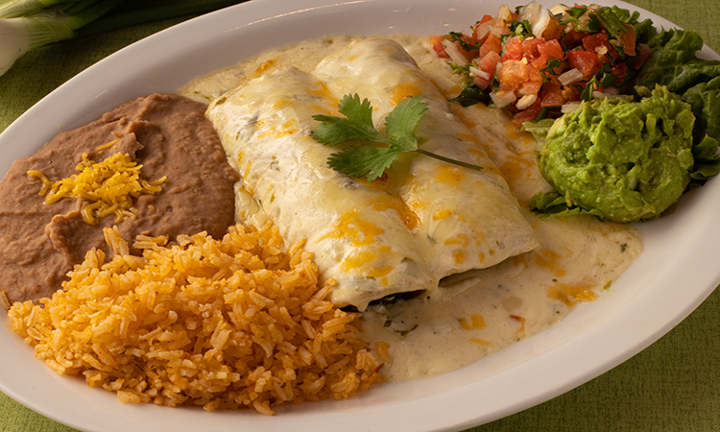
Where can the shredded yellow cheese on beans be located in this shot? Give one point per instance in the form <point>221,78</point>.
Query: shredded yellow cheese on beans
<point>106,187</point>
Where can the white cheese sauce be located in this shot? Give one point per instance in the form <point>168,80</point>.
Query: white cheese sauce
<point>577,260</point>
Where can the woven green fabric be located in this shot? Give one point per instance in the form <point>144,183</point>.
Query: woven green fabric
<point>674,385</point>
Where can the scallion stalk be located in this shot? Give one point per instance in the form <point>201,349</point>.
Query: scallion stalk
<point>117,21</point>
<point>18,8</point>
<point>22,34</point>
<point>36,23</point>
<point>91,12</point>
<point>75,7</point>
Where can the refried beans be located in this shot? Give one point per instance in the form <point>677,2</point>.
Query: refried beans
<point>168,135</point>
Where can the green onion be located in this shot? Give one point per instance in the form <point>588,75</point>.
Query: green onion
<point>18,8</point>
<point>24,33</point>
<point>30,24</point>
<point>117,21</point>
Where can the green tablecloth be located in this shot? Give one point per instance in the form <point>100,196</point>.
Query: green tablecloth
<point>674,385</point>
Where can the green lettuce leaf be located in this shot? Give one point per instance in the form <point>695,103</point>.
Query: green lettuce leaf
<point>707,161</point>
<point>674,64</point>
<point>552,204</point>
<point>539,129</point>
<point>704,98</point>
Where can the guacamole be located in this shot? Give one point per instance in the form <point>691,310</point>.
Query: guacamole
<point>621,160</point>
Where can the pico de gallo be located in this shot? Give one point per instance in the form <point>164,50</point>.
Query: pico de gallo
<point>538,63</point>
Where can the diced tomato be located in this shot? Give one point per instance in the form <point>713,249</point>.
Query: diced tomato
<point>586,62</point>
<point>492,44</point>
<point>513,74</point>
<point>528,114</point>
<point>534,82</point>
<point>571,94</point>
<point>482,28</point>
<point>487,64</point>
<point>591,42</point>
<point>628,40</point>
<point>553,29</point>
<point>551,48</point>
<point>512,55</point>
<point>595,42</point>
<point>438,47</point>
<point>481,82</point>
<point>530,47</point>
<point>513,47</point>
<point>469,55</point>
<point>619,70</point>
<point>532,87</point>
<point>551,94</point>
<point>548,50</point>
<point>553,98</point>
<point>572,39</point>
<point>550,87</point>
<point>484,19</point>
<point>540,63</point>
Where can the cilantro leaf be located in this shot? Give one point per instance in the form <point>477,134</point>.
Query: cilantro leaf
<point>363,160</point>
<point>464,44</point>
<point>377,153</point>
<point>552,63</point>
<point>587,92</point>
<point>356,125</point>
<point>521,28</point>
<point>402,121</point>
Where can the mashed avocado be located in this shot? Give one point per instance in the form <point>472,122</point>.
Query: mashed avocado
<point>621,160</point>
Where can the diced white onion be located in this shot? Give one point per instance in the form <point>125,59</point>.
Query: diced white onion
<point>526,101</point>
<point>478,73</point>
<point>537,15</point>
<point>504,13</point>
<point>482,30</point>
<point>569,107</point>
<point>558,9</point>
<point>612,90</point>
<point>498,31</point>
<point>607,95</point>
<point>571,76</point>
<point>498,66</point>
<point>502,98</point>
<point>452,50</point>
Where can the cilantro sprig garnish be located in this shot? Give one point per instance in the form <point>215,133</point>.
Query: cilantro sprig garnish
<point>376,152</point>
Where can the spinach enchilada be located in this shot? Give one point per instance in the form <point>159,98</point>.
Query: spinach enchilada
<point>424,221</point>
<point>360,236</point>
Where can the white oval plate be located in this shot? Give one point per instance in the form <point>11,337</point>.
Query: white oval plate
<point>677,271</point>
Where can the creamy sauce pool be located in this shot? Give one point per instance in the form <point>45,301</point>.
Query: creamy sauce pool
<point>578,259</point>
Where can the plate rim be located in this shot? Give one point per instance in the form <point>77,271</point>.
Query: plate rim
<point>262,11</point>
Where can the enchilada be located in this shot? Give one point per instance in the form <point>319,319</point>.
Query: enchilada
<point>361,237</point>
<point>422,221</point>
<point>469,218</point>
